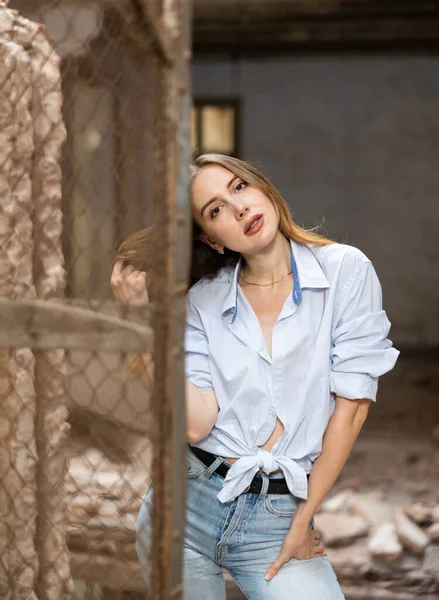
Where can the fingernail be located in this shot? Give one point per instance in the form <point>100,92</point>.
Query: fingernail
<point>267,576</point>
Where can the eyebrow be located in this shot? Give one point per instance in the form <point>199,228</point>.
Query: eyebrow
<point>215,198</point>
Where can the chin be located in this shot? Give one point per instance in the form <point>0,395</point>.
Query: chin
<point>260,242</point>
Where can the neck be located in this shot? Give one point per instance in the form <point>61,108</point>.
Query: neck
<point>271,263</point>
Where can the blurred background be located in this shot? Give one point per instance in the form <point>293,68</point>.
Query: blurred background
<point>336,101</point>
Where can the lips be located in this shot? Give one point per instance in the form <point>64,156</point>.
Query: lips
<point>253,224</point>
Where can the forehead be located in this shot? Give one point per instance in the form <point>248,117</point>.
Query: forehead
<point>211,179</point>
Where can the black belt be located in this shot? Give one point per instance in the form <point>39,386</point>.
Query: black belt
<point>275,486</point>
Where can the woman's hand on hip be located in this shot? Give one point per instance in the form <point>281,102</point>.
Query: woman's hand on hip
<point>300,543</point>
<point>128,284</point>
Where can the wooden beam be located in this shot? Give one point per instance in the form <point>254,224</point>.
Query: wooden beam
<point>267,26</point>
<point>307,34</point>
<point>108,571</point>
<point>160,34</point>
<point>324,9</point>
<point>28,323</point>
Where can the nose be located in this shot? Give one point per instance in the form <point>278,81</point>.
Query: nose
<point>242,211</point>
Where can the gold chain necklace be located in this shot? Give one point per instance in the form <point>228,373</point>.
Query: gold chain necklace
<point>264,284</point>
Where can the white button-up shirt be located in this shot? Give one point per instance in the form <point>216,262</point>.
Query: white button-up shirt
<point>330,339</point>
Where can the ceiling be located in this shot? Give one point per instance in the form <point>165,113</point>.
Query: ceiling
<point>267,26</point>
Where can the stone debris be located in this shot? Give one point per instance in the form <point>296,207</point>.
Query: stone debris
<point>420,514</point>
<point>433,532</point>
<point>374,508</point>
<point>431,561</point>
<point>384,543</point>
<point>340,529</point>
<point>410,534</point>
<point>343,501</point>
<point>380,537</point>
<point>355,483</point>
<point>353,560</point>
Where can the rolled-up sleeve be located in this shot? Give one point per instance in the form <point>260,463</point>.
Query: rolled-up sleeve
<point>361,351</point>
<point>197,366</point>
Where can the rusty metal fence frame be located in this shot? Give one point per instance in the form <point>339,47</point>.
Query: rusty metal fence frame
<point>46,324</point>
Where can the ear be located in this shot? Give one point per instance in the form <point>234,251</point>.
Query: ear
<point>215,245</point>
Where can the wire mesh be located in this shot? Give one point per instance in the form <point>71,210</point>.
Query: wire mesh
<point>89,121</point>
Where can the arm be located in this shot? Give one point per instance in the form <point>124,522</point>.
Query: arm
<point>201,403</point>
<point>360,353</point>
<point>129,286</point>
<point>201,412</point>
<point>342,431</point>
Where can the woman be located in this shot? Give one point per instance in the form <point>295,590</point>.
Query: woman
<point>285,341</point>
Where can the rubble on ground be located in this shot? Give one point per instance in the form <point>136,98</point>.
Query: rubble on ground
<point>384,534</point>
<point>380,524</point>
<point>384,543</point>
<point>341,530</point>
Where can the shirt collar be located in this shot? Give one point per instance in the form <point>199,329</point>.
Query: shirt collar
<point>230,302</point>
<point>309,267</point>
<point>307,273</point>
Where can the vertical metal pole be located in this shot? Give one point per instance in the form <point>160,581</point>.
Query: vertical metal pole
<point>172,241</point>
<point>18,456</point>
<point>54,579</point>
<point>182,258</point>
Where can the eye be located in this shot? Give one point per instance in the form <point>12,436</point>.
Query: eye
<point>240,186</point>
<point>215,211</point>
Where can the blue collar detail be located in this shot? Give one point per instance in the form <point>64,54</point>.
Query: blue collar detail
<point>303,259</point>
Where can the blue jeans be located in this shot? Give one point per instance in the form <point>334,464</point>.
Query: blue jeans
<point>244,537</point>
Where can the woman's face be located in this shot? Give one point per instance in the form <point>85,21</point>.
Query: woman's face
<point>232,213</point>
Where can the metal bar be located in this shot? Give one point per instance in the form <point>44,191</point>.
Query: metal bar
<point>168,465</point>
<point>29,323</point>
<point>182,258</point>
<point>108,570</point>
<point>161,35</point>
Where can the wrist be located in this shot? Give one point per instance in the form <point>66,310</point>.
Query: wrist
<point>303,516</point>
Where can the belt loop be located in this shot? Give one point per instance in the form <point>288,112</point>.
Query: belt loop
<point>216,463</point>
<point>265,484</point>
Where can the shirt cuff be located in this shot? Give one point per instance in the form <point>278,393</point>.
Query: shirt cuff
<point>354,386</point>
<point>200,381</point>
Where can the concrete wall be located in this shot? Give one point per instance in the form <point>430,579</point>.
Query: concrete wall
<point>354,140</point>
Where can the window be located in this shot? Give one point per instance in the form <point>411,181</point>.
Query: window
<point>215,126</point>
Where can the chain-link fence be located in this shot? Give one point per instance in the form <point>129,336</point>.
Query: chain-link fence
<point>94,146</point>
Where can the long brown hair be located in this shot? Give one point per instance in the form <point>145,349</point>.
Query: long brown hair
<point>136,250</point>
<point>207,262</point>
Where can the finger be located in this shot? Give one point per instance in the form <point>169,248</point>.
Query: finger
<point>275,567</point>
<point>129,270</point>
<point>318,549</point>
<point>133,279</point>
<point>117,271</point>
<point>149,371</point>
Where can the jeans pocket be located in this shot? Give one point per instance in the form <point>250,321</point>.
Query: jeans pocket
<point>282,505</point>
<point>195,468</point>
